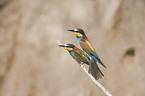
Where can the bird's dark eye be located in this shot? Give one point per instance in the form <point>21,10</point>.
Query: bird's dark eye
<point>70,46</point>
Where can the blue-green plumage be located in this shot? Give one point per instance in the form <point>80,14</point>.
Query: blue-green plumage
<point>82,58</point>
<point>86,46</point>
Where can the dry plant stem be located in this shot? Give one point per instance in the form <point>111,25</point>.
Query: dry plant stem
<point>96,82</point>
<point>93,79</point>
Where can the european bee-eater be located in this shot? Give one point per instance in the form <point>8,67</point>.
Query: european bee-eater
<point>85,45</point>
<point>82,58</point>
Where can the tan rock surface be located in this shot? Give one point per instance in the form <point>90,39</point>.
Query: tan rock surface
<point>31,64</point>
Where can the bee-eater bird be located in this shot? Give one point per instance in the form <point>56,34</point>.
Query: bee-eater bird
<point>86,45</point>
<point>82,58</point>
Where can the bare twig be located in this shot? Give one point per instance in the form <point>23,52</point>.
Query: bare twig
<point>93,79</point>
<point>96,82</point>
<point>58,42</point>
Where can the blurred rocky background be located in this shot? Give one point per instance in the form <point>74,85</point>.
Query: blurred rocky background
<point>32,64</point>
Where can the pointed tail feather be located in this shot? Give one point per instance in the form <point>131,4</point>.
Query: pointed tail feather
<point>95,71</point>
<point>99,61</point>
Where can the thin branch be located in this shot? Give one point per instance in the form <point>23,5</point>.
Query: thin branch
<point>58,42</point>
<point>93,79</point>
<point>96,82</point>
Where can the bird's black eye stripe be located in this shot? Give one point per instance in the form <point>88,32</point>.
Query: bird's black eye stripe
<point>68,46</point>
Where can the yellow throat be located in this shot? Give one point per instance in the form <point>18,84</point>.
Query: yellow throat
<point>78,34</point>
<point>68,49</point>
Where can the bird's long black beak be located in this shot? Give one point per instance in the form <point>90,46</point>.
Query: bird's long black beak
<point>61,46</point>
<point>71,30</point>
